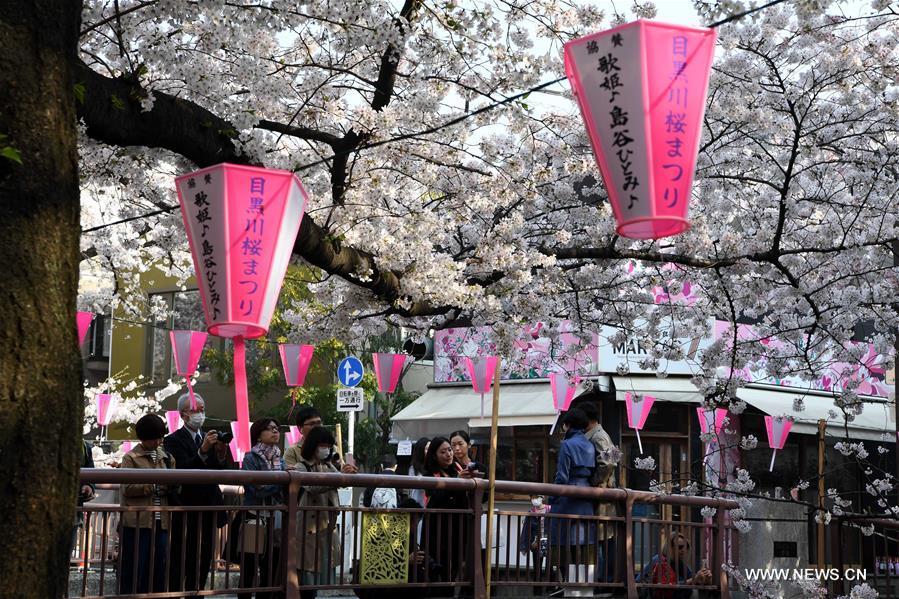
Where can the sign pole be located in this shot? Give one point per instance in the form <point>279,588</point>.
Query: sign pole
<point>350,432</point>
<point>492,477</point>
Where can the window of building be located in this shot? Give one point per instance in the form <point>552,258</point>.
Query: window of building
<point>100,336</point>
<point>524,453</point>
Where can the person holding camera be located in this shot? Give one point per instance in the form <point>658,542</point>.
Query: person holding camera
<point>145,534</point>
<point>193,449</point>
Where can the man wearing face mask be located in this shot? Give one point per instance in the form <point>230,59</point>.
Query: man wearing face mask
<point>193,533</point>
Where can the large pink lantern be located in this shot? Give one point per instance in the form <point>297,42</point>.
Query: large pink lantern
<point>638,407</point>
<point>778,428</point>
<point>388,368</point>
<point>83,321</point>
<point>481,371</point>
<point>563,391</point>
<point>641,88</point>
<point>187,347</point>
<point>241,223</point>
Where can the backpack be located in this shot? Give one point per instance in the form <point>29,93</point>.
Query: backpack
<point>661,573</point>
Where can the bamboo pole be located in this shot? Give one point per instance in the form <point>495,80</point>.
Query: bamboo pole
<point>491,484</point>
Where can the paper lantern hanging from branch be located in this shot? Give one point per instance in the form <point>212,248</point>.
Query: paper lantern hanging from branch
<point>388,369</point>
<point>638,407</point>
<point>295,359</point>
<point>778,427</point>
<point>83,321</point>
<point>711,420</point>
<point>641,88</point>
<point>563,390</point>
<point>173,420</point>
<point>187,347</point>
<point>481,371</point>
<point>242,224</point>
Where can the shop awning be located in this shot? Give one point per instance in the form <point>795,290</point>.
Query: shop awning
<point>878,417</point>
<point>670,388</point>
<point>440,410</point>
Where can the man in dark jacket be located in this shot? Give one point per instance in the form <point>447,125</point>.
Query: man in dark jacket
<point>193,533</point>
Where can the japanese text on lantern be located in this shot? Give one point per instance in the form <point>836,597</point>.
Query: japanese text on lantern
<point>621,137</point>
<point>675,122</point>
<point>251,248</point>
<point>206,247</point>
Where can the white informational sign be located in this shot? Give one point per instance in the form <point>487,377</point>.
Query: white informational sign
<point>349,399</point>
<point>404,448</point>
<point>633,350</point>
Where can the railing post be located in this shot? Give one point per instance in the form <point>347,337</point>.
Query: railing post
<point>289,557</point>
<point>477,570</point>
<point>720,552</point>
<point>631,582</point>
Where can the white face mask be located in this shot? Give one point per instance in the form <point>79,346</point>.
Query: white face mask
<point>536,502</point>
<point>196,420</point>
<point>322,453</point>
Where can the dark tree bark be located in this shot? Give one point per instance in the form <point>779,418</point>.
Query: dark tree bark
<point>40,367</point>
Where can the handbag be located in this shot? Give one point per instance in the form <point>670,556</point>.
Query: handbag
<point>256,530</point>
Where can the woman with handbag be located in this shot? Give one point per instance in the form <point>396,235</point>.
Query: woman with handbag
<point>319,548</point>
<point>145,534</point>
<point>260,538</point>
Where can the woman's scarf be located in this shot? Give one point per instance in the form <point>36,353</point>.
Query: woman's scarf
<point>271,455</point>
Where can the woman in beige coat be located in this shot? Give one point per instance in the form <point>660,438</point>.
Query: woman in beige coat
<point>145,534</point>
<point>319,552</point>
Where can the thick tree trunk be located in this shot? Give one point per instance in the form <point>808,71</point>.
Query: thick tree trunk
<point>40,397</point>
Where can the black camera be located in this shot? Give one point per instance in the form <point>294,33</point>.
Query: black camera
<point>224,437</point>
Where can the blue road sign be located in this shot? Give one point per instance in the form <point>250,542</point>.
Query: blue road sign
<point>350,371</point>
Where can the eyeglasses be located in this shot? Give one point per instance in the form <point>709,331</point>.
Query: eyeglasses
<point>274,428</point>
<point>312,423</point>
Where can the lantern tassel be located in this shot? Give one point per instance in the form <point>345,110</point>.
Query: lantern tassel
<point>482,406</point>
<point>773,455</point>
<point>240,394</point>
<point>639,442</point>
<point>190,390</point>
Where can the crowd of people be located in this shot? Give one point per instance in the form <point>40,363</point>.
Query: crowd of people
<point>582,548</point>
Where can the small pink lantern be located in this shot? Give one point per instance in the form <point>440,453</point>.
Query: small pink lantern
<point>241,439</point>
<point>83,320</point>
<point>481,371</point>
<point>711,420</point>
<point>388,368</point>
<point>641,88</point>
<point>106,406</point>
<point>187,347</point>
<point>563,390</point>
<point>242,223</point>
<point>778,428</point>
<point>295,359</point>
<point>638,407</point>
<point>173,420</point>
<point>293,435</point>
<point>127,446</point>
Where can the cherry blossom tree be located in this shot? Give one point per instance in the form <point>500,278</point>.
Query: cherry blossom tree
<point>498,219</point>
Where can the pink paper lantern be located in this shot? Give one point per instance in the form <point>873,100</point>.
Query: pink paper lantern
<point>711,419</point>
<point>563,391</point>
<point>187,347</point>
<point>106,405</point>
<point>481,371</point>
<point>388,368</point>
<point>778,428</point>
<point>127,446</point>
<point>638,407</point>
<point>641,88</point>
<point>293,435</point>
<point>173,420</point>
<point>296,360</point>
<point>83,321</point>
<point>241,439</point>
<point>241,223</point>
